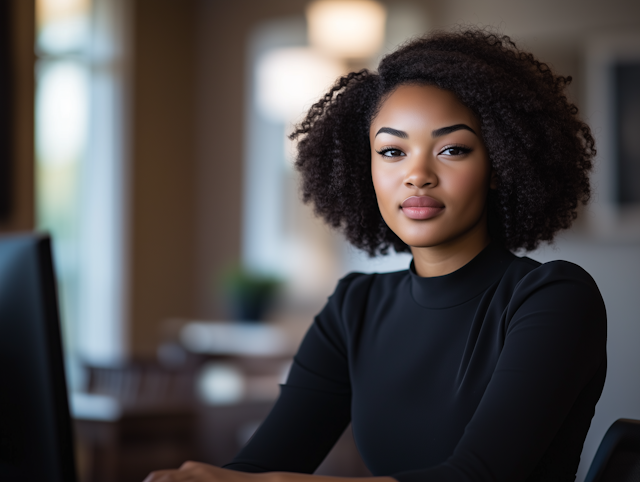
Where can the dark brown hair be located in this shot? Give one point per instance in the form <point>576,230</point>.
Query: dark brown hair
<point>540,151</point>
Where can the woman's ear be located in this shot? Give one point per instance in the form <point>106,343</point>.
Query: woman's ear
<point>493,181</point>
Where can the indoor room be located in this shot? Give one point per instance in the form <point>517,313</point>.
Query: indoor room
<point>150,140</point>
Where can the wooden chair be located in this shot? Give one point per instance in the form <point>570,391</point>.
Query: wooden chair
<point>152,428</point>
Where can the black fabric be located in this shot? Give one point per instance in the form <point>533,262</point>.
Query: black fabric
<point>489,373</point>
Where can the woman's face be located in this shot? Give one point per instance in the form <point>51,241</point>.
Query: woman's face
<point>430,168</point>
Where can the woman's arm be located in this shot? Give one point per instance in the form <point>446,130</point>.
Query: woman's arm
<point>312,411</point>
<point>314,406</point>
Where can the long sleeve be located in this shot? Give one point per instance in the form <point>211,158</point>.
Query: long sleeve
<point>314,406</point>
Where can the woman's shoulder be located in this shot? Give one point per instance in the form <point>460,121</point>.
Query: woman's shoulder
<point>356,288</point>
<point>535,273</point>
<point>359,277</point>
<point>555,285</point>
<point>357,282</point>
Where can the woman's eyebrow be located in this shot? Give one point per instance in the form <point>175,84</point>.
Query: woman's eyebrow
<point>443,131</point>
<point>393,132</point>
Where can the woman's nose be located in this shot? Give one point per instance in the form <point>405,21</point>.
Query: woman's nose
<point>421,173</point>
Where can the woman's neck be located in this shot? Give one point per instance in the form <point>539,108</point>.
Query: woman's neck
<point>448,257</point>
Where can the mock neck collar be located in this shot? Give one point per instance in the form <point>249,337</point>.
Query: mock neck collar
<point>463,284</point>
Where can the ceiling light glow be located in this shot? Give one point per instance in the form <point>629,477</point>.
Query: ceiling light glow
<point>347,28</point>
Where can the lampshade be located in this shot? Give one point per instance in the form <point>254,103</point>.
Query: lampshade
<point>346,28</point>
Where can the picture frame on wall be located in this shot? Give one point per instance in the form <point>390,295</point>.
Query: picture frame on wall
<point>613,112</point>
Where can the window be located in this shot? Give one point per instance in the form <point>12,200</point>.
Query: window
<point>80,169</point>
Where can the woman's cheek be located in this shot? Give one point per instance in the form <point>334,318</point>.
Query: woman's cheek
<point>471,186</point>
<point>384,184</point>
<point>378,182</point>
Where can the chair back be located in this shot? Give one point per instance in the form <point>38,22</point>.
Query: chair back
<point>618,456</point>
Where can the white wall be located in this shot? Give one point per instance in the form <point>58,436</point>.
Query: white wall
<point>615,266</point>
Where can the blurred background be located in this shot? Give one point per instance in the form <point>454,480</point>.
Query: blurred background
<point>149,137</point>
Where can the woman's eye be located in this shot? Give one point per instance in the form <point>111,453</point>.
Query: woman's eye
<point>390,152</point>
<point>455,151</point>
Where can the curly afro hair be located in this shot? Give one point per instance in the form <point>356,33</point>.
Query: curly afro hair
<point>540,151</point>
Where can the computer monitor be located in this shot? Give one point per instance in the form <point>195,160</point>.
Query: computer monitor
<point>36,441</point>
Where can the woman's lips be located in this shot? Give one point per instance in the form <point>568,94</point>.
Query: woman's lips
<point>421,207</point>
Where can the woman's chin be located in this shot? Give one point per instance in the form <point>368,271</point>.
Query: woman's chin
<point>423,242</point>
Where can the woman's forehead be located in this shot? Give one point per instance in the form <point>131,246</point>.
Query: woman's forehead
<point>414,106</point>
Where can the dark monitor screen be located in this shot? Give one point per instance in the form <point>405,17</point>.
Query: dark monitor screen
<point>35,426</point>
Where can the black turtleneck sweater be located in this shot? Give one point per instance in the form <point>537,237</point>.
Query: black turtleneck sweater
<point>490,373</point>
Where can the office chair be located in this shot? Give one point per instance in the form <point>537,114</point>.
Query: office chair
<point>618,456</point>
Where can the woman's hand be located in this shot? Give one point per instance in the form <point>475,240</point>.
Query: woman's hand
<point>198,472</point>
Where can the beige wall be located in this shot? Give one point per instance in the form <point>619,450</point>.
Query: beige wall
<point>224,29</point>
<point>162,168</point>
<point>23,214</point>
<point>187,155</point>
<point>542,20</point>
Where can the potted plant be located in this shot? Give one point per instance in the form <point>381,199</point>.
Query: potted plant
<point>249,295</point>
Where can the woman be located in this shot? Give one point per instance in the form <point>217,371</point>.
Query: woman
<point>474,364</point>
